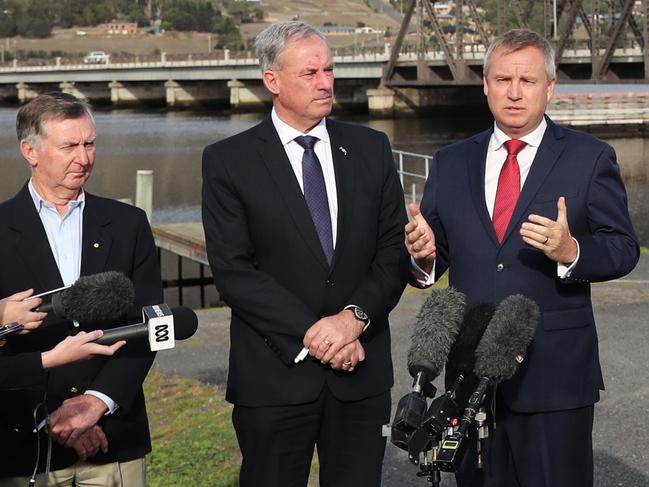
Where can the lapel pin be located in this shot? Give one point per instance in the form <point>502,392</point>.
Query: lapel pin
<point>96,245</point>
<point>343,150</point>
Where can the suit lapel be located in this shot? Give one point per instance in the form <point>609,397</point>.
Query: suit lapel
<point>342,153</point>
<point>550,149</point>
<point>97,237</point>
<point>274,157</point>
<point>32,244</point>
<point>476,161</point>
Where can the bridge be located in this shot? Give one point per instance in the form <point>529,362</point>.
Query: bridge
<point>435,60</point>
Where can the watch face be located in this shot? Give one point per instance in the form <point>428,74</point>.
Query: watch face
<point>360,314</point>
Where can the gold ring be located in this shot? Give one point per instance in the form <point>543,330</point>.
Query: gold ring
<point>546,240</point>
<point>326,342</point>
<point>346,364</point>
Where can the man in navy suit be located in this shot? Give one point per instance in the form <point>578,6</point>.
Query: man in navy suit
<point>304,221</point>
<point>532,208</point>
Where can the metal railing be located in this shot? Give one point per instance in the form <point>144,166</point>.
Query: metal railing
<point>413,170</point>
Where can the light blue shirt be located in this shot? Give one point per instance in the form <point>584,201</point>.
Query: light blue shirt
<point>64,234</point>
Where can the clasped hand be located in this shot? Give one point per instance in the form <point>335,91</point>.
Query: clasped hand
<point>334,340</point>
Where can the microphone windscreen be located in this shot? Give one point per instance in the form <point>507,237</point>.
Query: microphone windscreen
<point>507,337</point>
<point>435,330</point>
<point>97,297</point>
<point>462,354</point>
<point>185,322</point>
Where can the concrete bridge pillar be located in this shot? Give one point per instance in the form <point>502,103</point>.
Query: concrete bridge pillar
<point>29,92</point>
<point>380,101</point>
<point>70,88</point>
<point>251,94</point>
<point>136,93</point>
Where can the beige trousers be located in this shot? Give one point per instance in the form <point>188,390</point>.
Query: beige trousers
<point>84,474</point>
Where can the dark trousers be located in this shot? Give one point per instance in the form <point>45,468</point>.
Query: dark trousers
<point>277,443</point>
<point>551,449</point>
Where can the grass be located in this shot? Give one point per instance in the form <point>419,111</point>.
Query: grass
<point>193,439</point>
<point>644,250</point>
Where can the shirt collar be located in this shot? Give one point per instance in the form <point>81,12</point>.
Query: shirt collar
<point>287,133</point>
<point>41,203</point>
<point>532,139</point>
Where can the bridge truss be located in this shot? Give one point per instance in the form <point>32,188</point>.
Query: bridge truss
<point>596,41</point>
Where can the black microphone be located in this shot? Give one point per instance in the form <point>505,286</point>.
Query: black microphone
<point>461,360</point>
<point>498,355</point>
<point>435,330</point>
<point>160,325</point>
<point>97,297</point>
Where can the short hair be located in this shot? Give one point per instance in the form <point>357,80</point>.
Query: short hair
<point>55,105</point>
<point>271,41</point>
<point>517,39</point>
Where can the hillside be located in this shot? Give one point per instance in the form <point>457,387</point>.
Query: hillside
<point>72,43</point>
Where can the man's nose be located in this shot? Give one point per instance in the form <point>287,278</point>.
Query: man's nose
<point>514,91</point>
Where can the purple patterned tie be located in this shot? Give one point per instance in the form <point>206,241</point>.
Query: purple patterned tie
<point>315,194</point>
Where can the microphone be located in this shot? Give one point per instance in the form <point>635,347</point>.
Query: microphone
<point>461,359</point>
<point>434,332</point>
<point>97,297</point>
<point>161,326</point>
<point>497,357</point>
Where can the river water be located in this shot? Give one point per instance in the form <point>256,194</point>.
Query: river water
<point>171,142</point>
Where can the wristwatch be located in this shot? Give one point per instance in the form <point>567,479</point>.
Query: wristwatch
<point>359,314</point>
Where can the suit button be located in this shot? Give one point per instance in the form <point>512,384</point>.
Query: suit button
<point>329,283</point>
<point>500,267</point>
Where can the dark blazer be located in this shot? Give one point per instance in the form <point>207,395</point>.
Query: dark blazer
<point>561,369</point>
<point>22,370</point>
<point>117,237</point>
<point>269,267</point>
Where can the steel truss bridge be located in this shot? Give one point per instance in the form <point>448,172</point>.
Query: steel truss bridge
<point>596,41</point>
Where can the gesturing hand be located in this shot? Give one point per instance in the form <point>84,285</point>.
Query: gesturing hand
<point>551,237</point>
<point>420,239</point>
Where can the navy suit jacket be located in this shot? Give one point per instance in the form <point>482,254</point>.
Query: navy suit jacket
<point>116,237</point>
<point>561,369</point>
<point>269,266</point>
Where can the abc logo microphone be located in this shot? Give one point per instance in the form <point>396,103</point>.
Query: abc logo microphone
<point>161,326</point>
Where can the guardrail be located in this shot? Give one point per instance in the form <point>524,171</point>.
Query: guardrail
<point>413,170</point>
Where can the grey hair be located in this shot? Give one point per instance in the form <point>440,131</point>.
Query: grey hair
<point>55,105</point>
<point>270,42</point>
<point>517,39</point>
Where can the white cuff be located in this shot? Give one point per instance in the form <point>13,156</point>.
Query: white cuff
<point>563,270</point>
<point>110,404</point>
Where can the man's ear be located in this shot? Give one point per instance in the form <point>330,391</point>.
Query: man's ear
<point>29,153</point>
<point>271,81</point>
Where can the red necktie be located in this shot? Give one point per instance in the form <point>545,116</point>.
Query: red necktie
<point>509,187</point>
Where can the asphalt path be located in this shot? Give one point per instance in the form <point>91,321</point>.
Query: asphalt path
<point>620,436</point>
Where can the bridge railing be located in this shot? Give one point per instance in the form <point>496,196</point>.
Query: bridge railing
<point>413,170</point>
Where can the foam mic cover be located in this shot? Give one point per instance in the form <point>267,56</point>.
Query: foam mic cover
<point>185,324</point>
<point>97,297</point>
<point>435,330</point>
<point>462,354</point>
<point>507,337</point>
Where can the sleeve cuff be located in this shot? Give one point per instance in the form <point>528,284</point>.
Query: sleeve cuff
<point>423,278</point>
<point>563,270</point>
<point>110,404</point>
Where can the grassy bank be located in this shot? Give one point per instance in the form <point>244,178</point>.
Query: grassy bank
<point>193,439</point>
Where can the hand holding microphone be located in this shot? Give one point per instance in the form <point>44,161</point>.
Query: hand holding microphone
<point>17,308</point>
<point>78,347</point>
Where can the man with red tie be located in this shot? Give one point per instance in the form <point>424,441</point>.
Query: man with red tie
<point>530,208</point>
